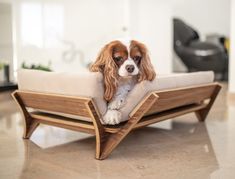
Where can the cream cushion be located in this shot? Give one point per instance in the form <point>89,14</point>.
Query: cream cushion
<point>89,84</point>
<point>163,82</point>
<point>84,84</point>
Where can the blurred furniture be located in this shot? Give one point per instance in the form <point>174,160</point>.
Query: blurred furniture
<point>7,84</point>
<point>198,55</point>
<point>219,40</point>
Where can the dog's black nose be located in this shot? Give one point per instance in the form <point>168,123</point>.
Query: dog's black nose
<point>130,68</point>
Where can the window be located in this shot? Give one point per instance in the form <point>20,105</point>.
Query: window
<point>41,24</point>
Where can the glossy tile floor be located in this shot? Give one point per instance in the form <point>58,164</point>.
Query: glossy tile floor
<point>179,148</point>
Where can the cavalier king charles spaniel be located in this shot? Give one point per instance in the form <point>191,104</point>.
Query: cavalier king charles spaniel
<point>123,64</point>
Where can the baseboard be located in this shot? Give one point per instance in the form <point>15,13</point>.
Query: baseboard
<point>6,86</point>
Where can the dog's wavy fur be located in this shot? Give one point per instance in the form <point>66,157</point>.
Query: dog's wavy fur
<point>106,65</point>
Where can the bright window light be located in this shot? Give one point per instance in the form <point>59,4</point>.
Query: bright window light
<point>31,24</point>
<point>42,24</point>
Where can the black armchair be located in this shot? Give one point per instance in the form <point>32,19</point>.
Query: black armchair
<point>198,55</point>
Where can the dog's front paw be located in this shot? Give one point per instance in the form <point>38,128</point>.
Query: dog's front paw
<point>112,117</point>
<point>116,104</point>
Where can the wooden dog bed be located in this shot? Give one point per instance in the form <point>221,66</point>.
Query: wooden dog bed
<point>156,106</point>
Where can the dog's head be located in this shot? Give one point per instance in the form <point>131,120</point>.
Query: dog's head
<point>125,59</point>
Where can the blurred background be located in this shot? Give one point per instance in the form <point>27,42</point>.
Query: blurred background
<point>66,35</point>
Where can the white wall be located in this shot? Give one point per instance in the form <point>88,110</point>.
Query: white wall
<point>6,52</point>
<point>207,16</point>
<point>74,28</point>
<point>232,51</point>
<point>151,22</point>
<point>47,29</point>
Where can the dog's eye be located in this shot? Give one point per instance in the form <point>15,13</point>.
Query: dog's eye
<point>137,58</point>
<point>118,59</point>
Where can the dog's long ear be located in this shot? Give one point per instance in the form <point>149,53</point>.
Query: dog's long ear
<point>147,71</point>
<point>106,65</point>
<point>98,65</point>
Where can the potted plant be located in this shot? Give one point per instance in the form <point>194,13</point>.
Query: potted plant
<point>37,67</point>
<point>6,70</point>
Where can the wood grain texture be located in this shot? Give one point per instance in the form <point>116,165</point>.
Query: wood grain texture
<point>63,122</point>
<point>100,133</point>
<point>114,139</point>
<point>30,124</point>
<point>155,107</point>
<point>161,116</point>
<point>202,113</point>
<point>169,99</point>
<point>55,103</point>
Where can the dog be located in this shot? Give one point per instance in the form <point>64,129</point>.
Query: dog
<point>123,63</point>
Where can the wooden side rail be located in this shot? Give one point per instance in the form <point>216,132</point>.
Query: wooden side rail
<point>155,107</point>
<point>170,99</point>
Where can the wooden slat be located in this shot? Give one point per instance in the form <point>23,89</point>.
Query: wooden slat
<point>63,122</point>
<point>56,103</point>
<point>114,139</point>
<point>170,99</point>
<point>100,133</point>
<point>151,119</point>
<point>147,120</point>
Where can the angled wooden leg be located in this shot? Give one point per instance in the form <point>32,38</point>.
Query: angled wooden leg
<point>114,139</point>
<point>30,128</point>
<point>202,113</point>
<point>30,124</point>
<point>100,134</point>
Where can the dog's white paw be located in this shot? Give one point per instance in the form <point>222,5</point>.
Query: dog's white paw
<point>112,117</point>
<point>116,104</point>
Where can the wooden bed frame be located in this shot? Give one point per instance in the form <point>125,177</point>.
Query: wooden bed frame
<point>155,107</point>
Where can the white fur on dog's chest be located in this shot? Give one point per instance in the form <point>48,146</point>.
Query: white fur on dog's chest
<point>125,86</point>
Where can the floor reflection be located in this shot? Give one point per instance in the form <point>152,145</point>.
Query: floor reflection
<point>182,150</point>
